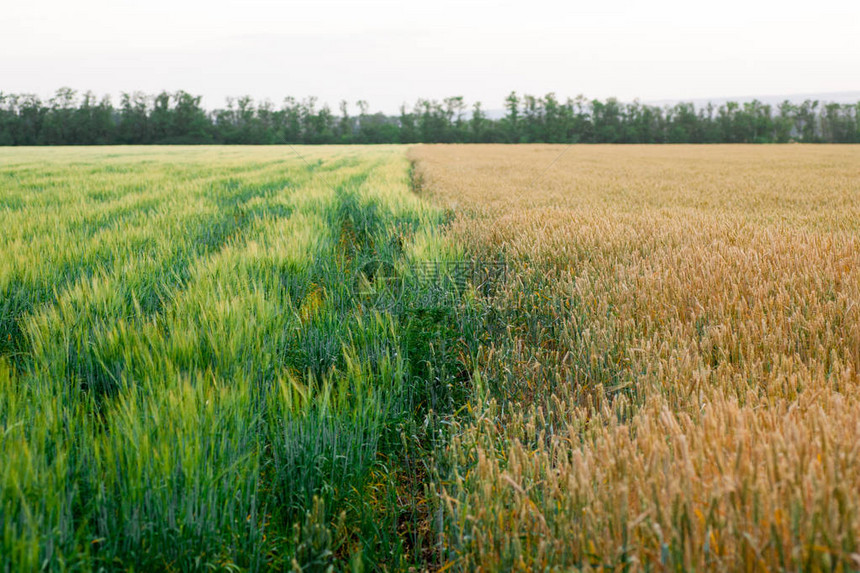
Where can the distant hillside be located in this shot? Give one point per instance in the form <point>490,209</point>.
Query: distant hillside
<point>830,97</point>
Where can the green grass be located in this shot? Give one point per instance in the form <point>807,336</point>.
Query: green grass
<point>195,368</point>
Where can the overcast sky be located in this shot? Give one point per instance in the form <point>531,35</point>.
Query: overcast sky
<point>389,52</point>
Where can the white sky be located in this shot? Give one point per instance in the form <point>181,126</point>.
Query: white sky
<point>389,52</point>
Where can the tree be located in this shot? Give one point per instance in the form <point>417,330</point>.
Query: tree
<point>607,120</point>
<point>683,124</point>
<point>8,119</point>
<point>806,121</point>
<point>783,123</point>
<point>408,131</point>
<point>478,123</point>
<point>512,118</point>
<point>72,118</point>
<point>188,122</point>
<point>161,118</point>
<point>58,128</point>
<point>455,107</point>
<point>433,122</point>
<point>134,119</point>
<point>291,123</point>
<point>838,124</point>
<point>345,130</point>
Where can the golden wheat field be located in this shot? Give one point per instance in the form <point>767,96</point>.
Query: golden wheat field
<point>669,379</point>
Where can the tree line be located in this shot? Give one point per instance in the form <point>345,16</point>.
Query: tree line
<point>73,118</point>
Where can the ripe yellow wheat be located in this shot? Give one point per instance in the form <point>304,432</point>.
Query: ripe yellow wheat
<point>672,378</point>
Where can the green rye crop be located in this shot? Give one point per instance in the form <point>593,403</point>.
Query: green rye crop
<point>195,372</point>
